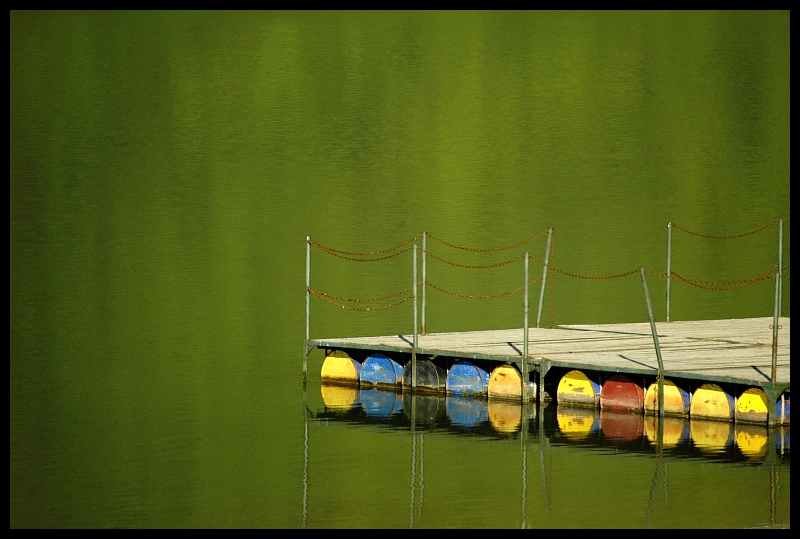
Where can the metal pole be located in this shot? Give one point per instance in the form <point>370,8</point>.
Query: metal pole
<point>655,342</point>
<point>414,348</point>
<point>308,304</point>
<point>775,327</point>
<point>780,266</point>
<point>524,382</point>
<point>424,276</point>
<point>669,263</point>
<point>544,276</point>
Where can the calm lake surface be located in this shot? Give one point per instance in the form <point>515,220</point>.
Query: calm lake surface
<point>167,168</point>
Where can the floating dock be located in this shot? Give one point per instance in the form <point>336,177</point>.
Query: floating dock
<point>734,353</point>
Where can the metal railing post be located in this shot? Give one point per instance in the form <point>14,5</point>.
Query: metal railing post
<point>524,382</point>
<point>414,346</point>
<point>544,276</point>
<point>669,263</point>
<point>780,266</point>
<point>424,276</point>
<point>308,304</point>
<point>655,342</point>
<point>775,319</point>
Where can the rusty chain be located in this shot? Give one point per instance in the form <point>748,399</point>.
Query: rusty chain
<point>507,293</point>
<point>362,300</point>
<point>739,283</point>
<point>331,250</point>
<point>322,296</point>
<point>486,250</point>
<point>509,261</point>
<point>336,254</point>
<point>709,236</point>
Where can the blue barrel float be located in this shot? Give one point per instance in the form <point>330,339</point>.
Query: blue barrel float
<point>712,402</point>
<point>677,400</point>
<point>339,367</point>
<point>620,393</point>
<point>379,370</point>
<point>431,378</point>
<point>467,379</point>
<point>465,411</point>
<point>380,403</point>
<point>576,389</point>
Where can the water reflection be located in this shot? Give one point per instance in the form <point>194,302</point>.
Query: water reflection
<point>538,428</point>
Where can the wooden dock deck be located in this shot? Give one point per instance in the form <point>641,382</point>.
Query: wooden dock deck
<point>734,351</point>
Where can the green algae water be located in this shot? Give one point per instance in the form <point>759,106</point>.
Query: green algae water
<point>166,169</point>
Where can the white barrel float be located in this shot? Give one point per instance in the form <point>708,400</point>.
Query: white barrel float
<point>752,440</point>
<point>379,370</point>
<point>340,368</point>
<point>712,402</point>
<point>675,430</point>
<point>782,415</point>
<point>430,377</point>
<point>379,403</point>
<point>577,423</point>
<point>467,379</point>
<point>677,401</point>
<point>505,383</point>
<point>711,436</point>
<point>576,389</point>
<point>752,406</point>
<point>340,398</point>
<point>466,412</point>
<point>622,394</point>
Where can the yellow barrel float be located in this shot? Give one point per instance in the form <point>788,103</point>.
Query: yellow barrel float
<point>577,423</point>
<point>712,402</point>
<point>711,436</point>
<point>505,383</point>
<point>466,412</point>
<point>622,394</point>
<point>752,440</point>
<point>338,398</point>
<point>431,378</point>
<point>752,406</point>
<point>576,389</point>
<point>505,416</point>
<point>467,379</point>
<point>677,401</point>
<point>621,426</point>
<point>675,430</point>
<point>379,370</point>
<point>340,368</point>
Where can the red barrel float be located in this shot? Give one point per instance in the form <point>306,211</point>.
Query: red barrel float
<point>620,393</point>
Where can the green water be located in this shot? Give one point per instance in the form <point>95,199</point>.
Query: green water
<point>166,169</point>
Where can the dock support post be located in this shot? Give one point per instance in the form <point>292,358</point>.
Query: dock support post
<point>655,342</point>
<point>308,305</point>
<point>524,370</point>
<point>544,276</point>
<point>414,346</point>
<point>424,276</point>
<point>669,263</point>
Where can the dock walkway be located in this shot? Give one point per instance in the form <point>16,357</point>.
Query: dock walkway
<point>736,351</point>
